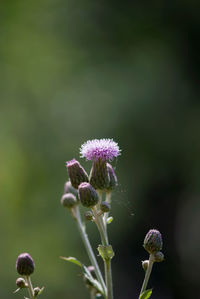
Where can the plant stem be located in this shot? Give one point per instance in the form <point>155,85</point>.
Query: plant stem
<point>109,279</point>
<point>93,294</point>
<point>30,287</point>
<point>88,247</point>
<point>147,274</point>
<point>107,262</point>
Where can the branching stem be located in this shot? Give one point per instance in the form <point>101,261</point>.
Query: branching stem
<point>30,287</point>
<point>88,247</point>
<point>147,274</point>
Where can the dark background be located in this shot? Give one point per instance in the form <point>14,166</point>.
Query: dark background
<point>77,70</point>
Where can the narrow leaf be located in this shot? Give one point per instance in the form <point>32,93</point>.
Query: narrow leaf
<point>17,290</point>
<point>146,294</point>
<point>72,259</point>
<point>40,292</point>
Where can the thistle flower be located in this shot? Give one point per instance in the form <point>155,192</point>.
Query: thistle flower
<point>87,195</point>
<point>158,257</point>
<point>100,151</point>
<point>76,172</point>
<point>99,177</point>
<point>21,283</point>
<point>112,177</point>
<point>68,188</point>
<point>153,241</point>
<point>105,207</point>
<point>105,149</point>
<point>25,264</point>
<point>68,200</point>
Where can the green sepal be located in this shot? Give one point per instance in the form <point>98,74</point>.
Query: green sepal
<point>109,220</point>
<point>106,252</point>
<point>146,294</point>
<point>86,273</point>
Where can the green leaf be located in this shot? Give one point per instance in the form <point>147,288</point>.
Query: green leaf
<point>41,290</point>
<point>17,290</point>
<point>106,252</point>
<point>146,294</point>
<point>109,220</point>
<point>72,259</point>
<point>86,272</point>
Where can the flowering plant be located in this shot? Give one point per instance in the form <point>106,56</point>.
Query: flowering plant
<point>94,192</point>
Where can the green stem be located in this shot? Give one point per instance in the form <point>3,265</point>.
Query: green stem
<point>107,263</point>
<point>88,247</point>
<point>93,293</point>
<point>109,279</point>
<point>147,274</point>
<point>30,287</point>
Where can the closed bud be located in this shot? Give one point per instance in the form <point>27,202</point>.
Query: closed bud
<point>25,264</point>
<point>87,195</point>
<point>99,178</point>
<point>158,257</point>
<point>153,241</point>
<point>36,291</point>
<point>91,269</point>
<point>76,173</point>
<point>145,265</point>
<point>88,216</point>
<point>112,178</point>
<point>68,188</point>
<point>105,207</point>
<point>20,282</point>
<point>68,200</point>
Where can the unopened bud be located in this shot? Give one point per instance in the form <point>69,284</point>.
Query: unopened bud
<point>91,269</point>
<point>99,178</point>
<point>153,241</point>
<point>36,291</point>
<point>112,178</point>
<point>20,282</point>
<point>68,200</point>
<point>88,216</point>
<point>76,172</point>
<point>25,264</point>
<point>145,265</point>
<point>68,188</point>
<point>87,195</point>
<point>105,206</point>
<point>158,257</point>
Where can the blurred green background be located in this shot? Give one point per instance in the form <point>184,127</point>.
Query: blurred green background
<point>77,70</point>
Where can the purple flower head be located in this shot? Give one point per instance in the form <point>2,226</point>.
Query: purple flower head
<point>105,149</point>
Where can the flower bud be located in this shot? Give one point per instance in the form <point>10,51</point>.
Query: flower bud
<point>91,269</point>
<point>76,173</point>
<point>68,200</point>
<point>25,264</point>
<point>112,178</point>
<point>158,257</point>
<point>36,291</point>
<point>153,241</point>
<point>105,206</point>
<point>68,188</point>
<point>99,178</point>
<point>87,195</point>
<point>145,265</point>
<point>20,282</point>
<point>88,216</point>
